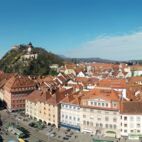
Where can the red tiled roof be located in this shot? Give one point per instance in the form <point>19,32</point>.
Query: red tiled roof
<point>18,81</point>
<point>131,107</point>
<point>110,95</point>
<point>112,83</point>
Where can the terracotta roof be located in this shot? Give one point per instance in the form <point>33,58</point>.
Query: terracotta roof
<point>106,94</point>
<point>4,78</point>
<point>72,99</point>
<point>38,95</point>
<point>45,96</point>
<point>112,83</point>
<point>58,96</point>
<point>131,107</point>
<point>135,79</point>
<point>18,81</point>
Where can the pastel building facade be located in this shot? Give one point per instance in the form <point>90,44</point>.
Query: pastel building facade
<point>100,113</point>
<point>44,106</point>
<point>70,112</point>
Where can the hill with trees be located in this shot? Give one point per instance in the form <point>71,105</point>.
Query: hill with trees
<point>29,60</point>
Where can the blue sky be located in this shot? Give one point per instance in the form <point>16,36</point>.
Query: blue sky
<point>109,29</point>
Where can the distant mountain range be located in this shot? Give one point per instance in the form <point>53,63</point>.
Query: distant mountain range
<point>100,60</point>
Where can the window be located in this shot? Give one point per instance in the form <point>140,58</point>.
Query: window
<point>114,105</point>
<point>91,103</point>
<point>114,119</point>
<point>106,125</point>
<point>106,104</point>
<point>106,119</point>
<point>114,126</point>
<point>98,104</point>
<point>78,119</point>
<point>101,125</point>
<point>131,125</point>
<point>91,124</point>
<point>131,118</point>
<point>84,122</point>
<point>125,131</point>
<point>95,103</point>
<point>97,124</point>
<point>138,118</point>
<point>138,125</point>
<point>138,131</point>
<point>125,118</point>
<point>62,115</point>
<point>70,117</point>
<point>110,126</point>
<point>99,119</point>
<point>87,122</point>
<point>131,131</point>
<point>125,125</point>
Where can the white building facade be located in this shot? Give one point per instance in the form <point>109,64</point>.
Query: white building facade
<point>70,116</point>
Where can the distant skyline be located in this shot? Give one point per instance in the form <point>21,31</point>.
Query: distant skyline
<point>109,29</point>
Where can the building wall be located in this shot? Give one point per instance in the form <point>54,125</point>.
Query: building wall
<point>7,99</point>
<point>70,115</point>
<point>131,124</point>
<point>1,94</point>
<point>15,101</point>
<point>93,121</point>
<point>137,73</point>
<point>43,111</point>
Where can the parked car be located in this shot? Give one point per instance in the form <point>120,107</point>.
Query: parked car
<point>68,136</point>
<point>65,138</point>
<point>52,134</point>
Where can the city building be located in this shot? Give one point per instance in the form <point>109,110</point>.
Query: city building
<point>100,112</point>
<point>131,119</point>
<point>44,106</point>
<point>70,112</point>
<point>16,90</point>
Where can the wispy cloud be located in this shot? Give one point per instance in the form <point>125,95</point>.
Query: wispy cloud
<point>118,47</point>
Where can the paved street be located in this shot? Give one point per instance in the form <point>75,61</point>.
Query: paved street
<point>44,135</point>
<point>34,134</point>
